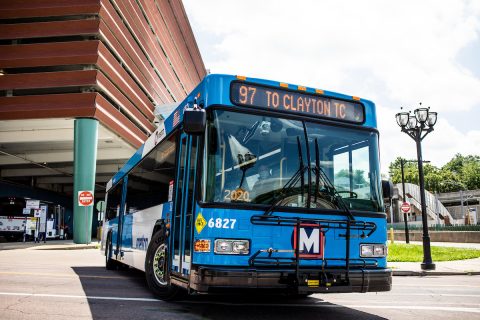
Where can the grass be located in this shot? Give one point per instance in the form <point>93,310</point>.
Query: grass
<point>398,252</point>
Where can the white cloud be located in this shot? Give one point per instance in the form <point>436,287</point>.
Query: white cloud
<point>438,146</point>
<point>395,54</point>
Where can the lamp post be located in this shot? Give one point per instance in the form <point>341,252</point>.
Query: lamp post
<point>405,217</point>
<point>417,127</point>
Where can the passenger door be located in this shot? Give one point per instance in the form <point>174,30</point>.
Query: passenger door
<point>184,205</point>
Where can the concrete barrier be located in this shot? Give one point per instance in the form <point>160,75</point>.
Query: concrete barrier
<point>441,236</point>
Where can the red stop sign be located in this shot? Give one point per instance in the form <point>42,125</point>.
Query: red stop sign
<point>405,207</point>
<point>85,198</point>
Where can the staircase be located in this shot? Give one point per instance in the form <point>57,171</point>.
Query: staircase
<point>435,209</point>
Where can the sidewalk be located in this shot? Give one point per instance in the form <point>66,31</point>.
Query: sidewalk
<point>49,245</point>
<point>459,267</point>
<point>446,244</point>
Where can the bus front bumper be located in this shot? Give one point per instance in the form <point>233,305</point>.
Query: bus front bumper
<point>211,279</point>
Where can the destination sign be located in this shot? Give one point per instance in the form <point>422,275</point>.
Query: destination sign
<point>254,95</point>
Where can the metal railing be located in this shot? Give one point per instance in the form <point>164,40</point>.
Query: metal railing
<point>435,209</point>
<point>434,227</point>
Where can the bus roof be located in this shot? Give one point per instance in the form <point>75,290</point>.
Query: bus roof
<point>214,89</point>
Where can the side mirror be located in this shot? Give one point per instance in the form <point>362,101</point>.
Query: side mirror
<point>387,189</point>
<point>194,121</point>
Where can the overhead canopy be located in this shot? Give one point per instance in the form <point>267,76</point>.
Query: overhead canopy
<point>113,61</point>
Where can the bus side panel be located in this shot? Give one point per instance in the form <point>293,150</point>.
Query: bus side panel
<point>126,239</point>
<point>142,226</point>
<point>110,226</point>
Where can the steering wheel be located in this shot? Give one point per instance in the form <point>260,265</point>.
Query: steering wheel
<point>293,199</point>
<point>353,195</point>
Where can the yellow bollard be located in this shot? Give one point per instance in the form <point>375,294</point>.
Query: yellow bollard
<point>392,240</point>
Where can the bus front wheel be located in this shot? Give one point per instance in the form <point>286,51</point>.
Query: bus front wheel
<point>156,268</point>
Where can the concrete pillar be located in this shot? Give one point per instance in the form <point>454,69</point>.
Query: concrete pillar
<point>85,159</point>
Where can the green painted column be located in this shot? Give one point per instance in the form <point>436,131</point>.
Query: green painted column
<point>84,168</point>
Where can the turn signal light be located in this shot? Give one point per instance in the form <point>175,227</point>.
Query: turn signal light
<point>202,245</point>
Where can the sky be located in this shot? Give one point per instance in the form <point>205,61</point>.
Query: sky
<point>394,53</point>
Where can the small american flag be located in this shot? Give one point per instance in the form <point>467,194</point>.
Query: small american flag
<point>176,118</point>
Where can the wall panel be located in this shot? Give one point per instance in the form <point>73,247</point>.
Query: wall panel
<point>113,60</point>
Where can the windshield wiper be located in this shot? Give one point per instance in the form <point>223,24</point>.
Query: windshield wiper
<point>291,182</point>
<point>320,174</point>
<point>299,175</point>
<point>245,162</point>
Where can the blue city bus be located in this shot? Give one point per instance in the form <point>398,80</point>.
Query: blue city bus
<point>252,184</point>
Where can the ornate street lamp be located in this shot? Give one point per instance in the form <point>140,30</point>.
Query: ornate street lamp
<point>417,126</point>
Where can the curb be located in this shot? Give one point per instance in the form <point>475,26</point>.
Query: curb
<point>66,248</point>
<point>406,273</point>
<point>51,247</point>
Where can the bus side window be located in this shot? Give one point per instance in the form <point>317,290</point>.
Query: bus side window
<point>114,199</point>
<point>148,183</point>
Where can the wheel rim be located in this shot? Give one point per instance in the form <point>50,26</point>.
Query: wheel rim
<point>159,264</point>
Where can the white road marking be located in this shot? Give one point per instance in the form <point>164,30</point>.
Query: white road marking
<point>443,295</point>
<point>318,304</point>
<point>436,285</point>
<point>68,275</point>
<point>46,295</point>
<point>430,303</point>
<point>430,308</point>
<point>389,294</point>
<point>326,304</point>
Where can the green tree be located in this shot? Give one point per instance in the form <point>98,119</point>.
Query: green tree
<point>458,163</point>
<point>460,173</point>
<point>409,169</point>
<point>465,171</point>
<point>358,176</point>
<point>471,175</point>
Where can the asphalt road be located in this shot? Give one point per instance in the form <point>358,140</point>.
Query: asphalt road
<point>73,284</point>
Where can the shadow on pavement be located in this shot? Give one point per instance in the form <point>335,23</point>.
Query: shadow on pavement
<point>124,294</point>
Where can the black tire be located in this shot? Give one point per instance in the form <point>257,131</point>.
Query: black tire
<point>156,269</point>
<point>110,263</point>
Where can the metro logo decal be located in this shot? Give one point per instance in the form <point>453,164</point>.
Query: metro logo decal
<point>142,243</point>
<point>311,241</point>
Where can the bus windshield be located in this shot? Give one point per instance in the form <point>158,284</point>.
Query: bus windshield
<point>264,160</point>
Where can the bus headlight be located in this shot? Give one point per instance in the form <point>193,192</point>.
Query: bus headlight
<point>373,250</point>
<point>241,247</point>
<point>230,246</point>
<point>380,250</point>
